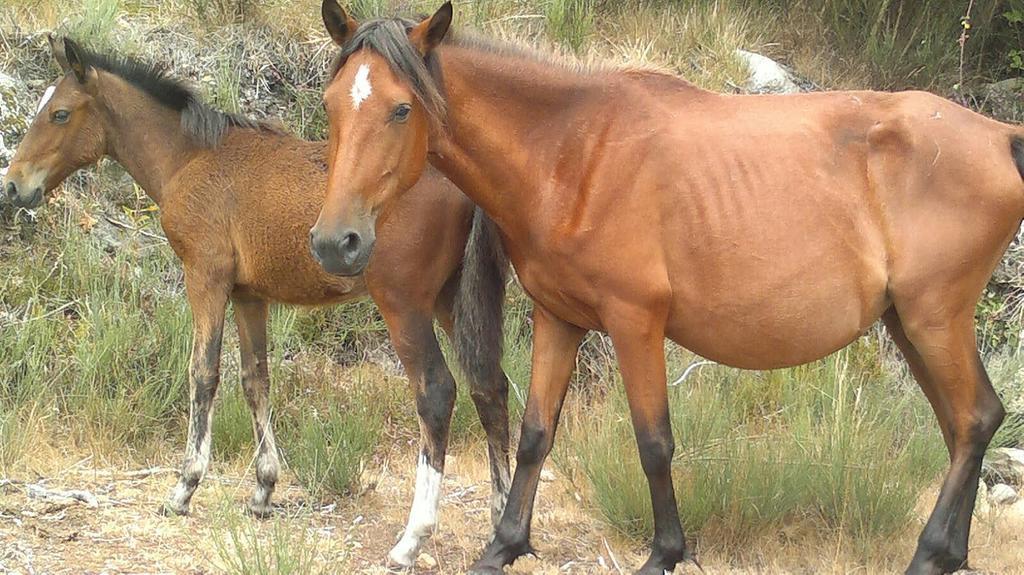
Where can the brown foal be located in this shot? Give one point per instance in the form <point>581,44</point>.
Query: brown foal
<point>757,231</point>
<point>237,200</point>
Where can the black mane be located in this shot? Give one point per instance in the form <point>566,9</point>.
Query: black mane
<point>203,123</point>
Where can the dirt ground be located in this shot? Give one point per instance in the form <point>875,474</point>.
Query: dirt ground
<point>122,533</point>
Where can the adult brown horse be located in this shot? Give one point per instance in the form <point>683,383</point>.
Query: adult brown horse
<point>237,199</point>
<point>758,231</point>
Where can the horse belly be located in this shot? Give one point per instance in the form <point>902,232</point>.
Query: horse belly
<point>780,276</point>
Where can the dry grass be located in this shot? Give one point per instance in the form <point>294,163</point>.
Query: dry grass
<point>124,534</point>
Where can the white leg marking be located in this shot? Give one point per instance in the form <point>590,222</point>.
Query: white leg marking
<point>422,517</point>
<point>361,88</point>
<point>195,467</point>
<point>499,495</point>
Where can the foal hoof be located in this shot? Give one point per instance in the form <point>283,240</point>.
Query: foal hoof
<point>259,510</point>
<point>171,509</point>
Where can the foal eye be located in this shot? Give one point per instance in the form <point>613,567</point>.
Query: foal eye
<point>60,116</point>
<point>401,113</point>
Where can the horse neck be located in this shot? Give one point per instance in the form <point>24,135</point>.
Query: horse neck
<point>144,136</point>
<point>506,163</point>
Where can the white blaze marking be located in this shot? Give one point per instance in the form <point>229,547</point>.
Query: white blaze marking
<point>361,88</point>
<point>422,517</point>
<point>46,98</point>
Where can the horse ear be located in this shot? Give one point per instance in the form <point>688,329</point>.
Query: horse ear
<point>339,24</point>
<point>57,49</point>
<point>429,33</point>
<point>74,58</point>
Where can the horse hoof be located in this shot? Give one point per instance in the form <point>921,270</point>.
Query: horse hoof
<point>932,567</point>
<point>485,570</point>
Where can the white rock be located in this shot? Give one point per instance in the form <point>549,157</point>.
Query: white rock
<point>1002,494</point>
<point>1004,465</point>
<point>766,75</point>
<point>981,504</point>
<point>1015,512</point>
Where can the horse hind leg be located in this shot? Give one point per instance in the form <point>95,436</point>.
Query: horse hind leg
<point>488,385</point>
<point>251,318</point>
<point>555,343</point>
<point>434,390</point>
<point>207,301</point>
<point>944,358</point>
<point>491,401</point>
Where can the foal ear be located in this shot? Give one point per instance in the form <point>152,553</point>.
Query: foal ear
<point>74,58</point>
<point>57,49</point>
<point>339,24</point>
<point>429,33</point>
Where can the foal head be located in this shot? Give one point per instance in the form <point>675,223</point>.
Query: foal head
<point>381,105</point>
<point>66,134</point>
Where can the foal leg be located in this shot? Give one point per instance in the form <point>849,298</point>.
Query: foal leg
<point>251,317</point>
<point>968,410</point>
<point>555,344</point>
<point>207,301</point>
<point>434,389</point>
<point>640,351</point>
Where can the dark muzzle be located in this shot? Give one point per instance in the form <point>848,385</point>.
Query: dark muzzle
<point>343,254</point>
<point>23,198</point>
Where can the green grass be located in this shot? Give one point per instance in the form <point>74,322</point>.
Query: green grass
<point>231,432</point>
<point>327,451</point>
<point>280,546</point>
<point>570,22</point>
<point>95,20</point>
<point>830,444</point>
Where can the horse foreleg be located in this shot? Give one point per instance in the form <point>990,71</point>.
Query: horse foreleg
<point>434,390</point>
<point>207,302</point>
<point>639,348</point>
<point>251,318</point>
<point>968,410</point>
<point>555,344</point>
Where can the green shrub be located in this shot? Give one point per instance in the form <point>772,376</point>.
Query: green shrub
<point>281,546</point>
<point>828,445</point>
<point>327,450</point>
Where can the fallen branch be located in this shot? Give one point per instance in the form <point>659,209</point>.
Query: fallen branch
<point>60,495</point>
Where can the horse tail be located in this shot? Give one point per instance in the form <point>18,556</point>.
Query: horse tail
<point>1017,151</point>
<point>479,301</point>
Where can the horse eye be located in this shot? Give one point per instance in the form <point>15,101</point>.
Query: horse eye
<point>60,116</point>
<point>401,113</point>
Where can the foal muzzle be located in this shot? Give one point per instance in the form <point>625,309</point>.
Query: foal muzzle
<point>21,197</point>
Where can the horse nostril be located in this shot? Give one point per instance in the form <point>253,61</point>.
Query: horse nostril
<point>12,190</point>
<point>350,243</point>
